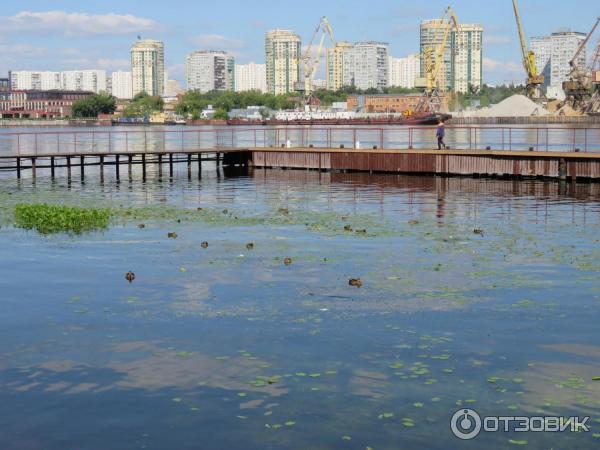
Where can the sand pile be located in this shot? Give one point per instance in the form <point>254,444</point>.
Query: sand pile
<point>515,106</point>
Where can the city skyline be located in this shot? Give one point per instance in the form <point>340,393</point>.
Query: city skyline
<point>99,36</point>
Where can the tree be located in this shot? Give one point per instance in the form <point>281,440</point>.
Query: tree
<point>221,114</point>
<point>144,105</point>
<point>93,105</point>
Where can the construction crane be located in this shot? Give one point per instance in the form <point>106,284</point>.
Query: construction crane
<point>433,62</point>
<point>578,87</point>
<point>593,107</point>
<point>311,61</point>
<point>534,80</point>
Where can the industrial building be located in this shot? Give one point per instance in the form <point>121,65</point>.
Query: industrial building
<point>251,77</point>
<point>462,66</point>
<point>148,67</point>
<point>39,104</point>
<point>383,103</point>
<point>283,53</point>
<point>209,70</point>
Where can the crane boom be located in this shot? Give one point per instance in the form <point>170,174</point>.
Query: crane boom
<point>573,62</point>
<point>311,62</point>
<point>534,80</point>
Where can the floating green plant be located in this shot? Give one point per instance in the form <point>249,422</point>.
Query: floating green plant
<point>49,219</point>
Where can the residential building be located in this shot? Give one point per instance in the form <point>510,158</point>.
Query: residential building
<point>335,66</point>
<point>251,77</point>
<point>462,66</point>
<point>386,103</point>
<point>4,88</point>
<point>283,54</point>
<point>553,54</point>
<point>366,65</point>
<point>40,104</point>
<point>148,67</point>
<point>72,80</point>
<point>404,71</point>
<point>122,85</point>
<point>210,71</point>
<point>173,88</point>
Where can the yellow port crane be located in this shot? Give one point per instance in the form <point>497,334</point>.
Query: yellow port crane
<point>311,61</point>
<point>578,87</point>
<point>433,62</point>
<point>534,80</point>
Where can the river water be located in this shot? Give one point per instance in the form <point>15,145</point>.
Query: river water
<point>227,347</point>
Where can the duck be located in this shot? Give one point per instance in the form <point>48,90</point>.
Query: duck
<point>356,282</point>
<point>287,261</point>
<point>250,246</point>
<point>172,235</point>
<point>204,244</point>
<point>130,276</point>
<point>479,231</point>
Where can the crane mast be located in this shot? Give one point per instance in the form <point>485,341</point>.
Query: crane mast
<point>310,61</point>
<point>534,80</point>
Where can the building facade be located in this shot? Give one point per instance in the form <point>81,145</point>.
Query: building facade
<point>553,54</point>
<point>251,77</point>
<point>392,103</point>
<point>210,71</point>
<point>148,67</point>
<point>121,85</point>
<point>462,66</point>
<point>404,71</point>
<point>366,65</point>
<point>335,65</point>
<point>40,104</point>
<point>72,80</point>
<point>283,55</point>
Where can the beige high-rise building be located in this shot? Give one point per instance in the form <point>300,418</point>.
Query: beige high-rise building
<point>148,67</point>
<point>250,77</point>
<point>404,71</point>
<point>462,67</point>
<point>283,54</point>
<point>335,66</point>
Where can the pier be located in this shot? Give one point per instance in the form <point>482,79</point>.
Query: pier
<point>553,152</point>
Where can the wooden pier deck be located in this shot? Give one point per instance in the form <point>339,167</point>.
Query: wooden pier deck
<point>497,151</point>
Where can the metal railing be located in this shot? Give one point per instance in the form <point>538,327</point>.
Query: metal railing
<point>117,141</point>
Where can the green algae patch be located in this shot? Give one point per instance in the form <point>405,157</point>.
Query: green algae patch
<point>51,219</point>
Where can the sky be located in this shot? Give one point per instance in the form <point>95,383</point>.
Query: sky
<point>89,34</point>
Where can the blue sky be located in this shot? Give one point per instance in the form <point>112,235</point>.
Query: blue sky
<point>98,34</point>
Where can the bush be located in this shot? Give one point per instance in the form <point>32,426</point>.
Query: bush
<point>93,105</point>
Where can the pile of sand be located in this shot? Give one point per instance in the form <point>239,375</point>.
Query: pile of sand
<point>515,106</point>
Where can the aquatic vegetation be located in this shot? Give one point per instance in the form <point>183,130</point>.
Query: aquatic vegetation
<point>49,219</point>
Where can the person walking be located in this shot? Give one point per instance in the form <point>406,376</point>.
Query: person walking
<point>441,134</point>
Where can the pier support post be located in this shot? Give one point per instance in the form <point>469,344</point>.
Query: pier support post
<point>199,165</point>
<point>68,166</point>
<point>562,169</point>
<point>18,168</point>
<point>117,164</point>
<point>82,166</point>
<point>33,168</point>
<point>143,167</point>
<point>52,166</point>
<point>129,168</point>
<point>160,166</point>
<point>189,166</point>
<point>102,169</point>
<point>171,165</point>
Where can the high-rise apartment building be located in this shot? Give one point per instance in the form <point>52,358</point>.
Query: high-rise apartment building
<point>121,85</point>
<point>462,67</point>
<point>210,71</point>
<point>553,54</point>
<point>335,65</point>
<point>148,67</point>
<point>72,80</point>
<point>366,65</point>
<point>251,77</point>
<point>404,71</point>
<point>283,55</point>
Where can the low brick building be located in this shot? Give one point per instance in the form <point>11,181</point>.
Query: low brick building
<point>383,103</point>
<point>39,104</point>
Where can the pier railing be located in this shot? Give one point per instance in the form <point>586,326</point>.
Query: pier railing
<point>162,141</point>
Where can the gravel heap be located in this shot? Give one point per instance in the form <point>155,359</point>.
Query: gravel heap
<point>515,106</point>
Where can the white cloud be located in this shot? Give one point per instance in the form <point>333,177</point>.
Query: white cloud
<point>22,50</point>
<point>490,64</point>
<point>71,24</point>
<point>216,42</point>
<point>114,64</point>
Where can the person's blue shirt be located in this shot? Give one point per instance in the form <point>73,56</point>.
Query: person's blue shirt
<point>441,132</point>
